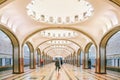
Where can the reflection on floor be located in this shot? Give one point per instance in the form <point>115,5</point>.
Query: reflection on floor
<point>67,72</point>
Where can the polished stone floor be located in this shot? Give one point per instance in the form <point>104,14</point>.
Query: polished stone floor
<point>67,72</point>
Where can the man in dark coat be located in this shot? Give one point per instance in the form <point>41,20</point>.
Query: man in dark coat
<point>57,64</point>
<point>89,63</point>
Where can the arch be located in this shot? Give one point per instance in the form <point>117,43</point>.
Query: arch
<point>86,50</point>
<point>10,34</point>
<point>78,61</point>
<point>58,48</point>
<point>38,50</point>
<point>53,45</point>
<point>84,33</point>
<point>26,54</point>
<point>86,55</point>
<point>78,52</point>
<point>108,35</point>
<point>54,48</point>
<point>17,56</point>
<point>32,55</point>
<point>30,47</point>
<point>59,39</point>
<point>102,49</point>
<point>38,57</point>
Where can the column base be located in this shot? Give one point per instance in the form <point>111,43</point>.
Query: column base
<point>38,66</point>
<point>32,68</point>
<point>85,68</point>
<point>78,65</point>
<point>100,73</point>
<point>18,72</point>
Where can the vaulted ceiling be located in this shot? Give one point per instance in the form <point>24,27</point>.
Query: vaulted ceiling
<point>61,27</point>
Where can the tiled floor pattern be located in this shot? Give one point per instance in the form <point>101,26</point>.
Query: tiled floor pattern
<point>30,74</point>
<point>67,72</point>
<point>89,74</point>
<point>61,75</point>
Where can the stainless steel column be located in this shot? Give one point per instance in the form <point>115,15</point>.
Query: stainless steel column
<point>32,60</point>
<point>38,56</point>
<point>85,61</point>
<point>101,61</point>
<point>78,60</point>
<point>18,66</point>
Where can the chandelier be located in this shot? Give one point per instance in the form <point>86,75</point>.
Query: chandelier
<point>59,11</point>
<point>59,33</point>
<point>59,42</point>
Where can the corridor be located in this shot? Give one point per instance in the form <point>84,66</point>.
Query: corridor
<point>67,72</point>
<point>37,36</point>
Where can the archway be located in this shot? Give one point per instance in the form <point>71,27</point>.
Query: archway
<point>86,56</point>
<point>32,56</point>
<point>38,57</point>
<point>78,58</point>
<point>113,52</point>
<point>17,56</point>
<point>26,55</point>
<point>5,52</point>
<point>102,48</point>
<point>92,55</point>
<point>82,32</point>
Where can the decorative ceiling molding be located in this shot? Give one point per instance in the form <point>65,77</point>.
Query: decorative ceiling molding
<point>117,2</point>
<point>2,1</point>
<point>59,33</point>
<point>39,11</point>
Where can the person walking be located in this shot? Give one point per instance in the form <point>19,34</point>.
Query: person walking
<point>89,63</point>
<point>61,62</point>
<point>57,65</point>
<point>41,62</point>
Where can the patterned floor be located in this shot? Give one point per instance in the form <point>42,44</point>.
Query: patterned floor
<point>89,74</point>
<point>67,72</point>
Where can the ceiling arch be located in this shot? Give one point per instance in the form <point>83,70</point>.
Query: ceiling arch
<point>44,43</point>
<point>59,47</point>
<point>37,31</point>
<point>108,35</point>
<point>86,50</point>
<point>62,51</point>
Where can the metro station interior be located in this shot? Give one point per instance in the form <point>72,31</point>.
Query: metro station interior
<point>82,34</point>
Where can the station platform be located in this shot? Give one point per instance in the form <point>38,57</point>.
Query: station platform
<point>67,72</point>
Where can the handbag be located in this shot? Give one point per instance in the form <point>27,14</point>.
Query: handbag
<point>59,67</point>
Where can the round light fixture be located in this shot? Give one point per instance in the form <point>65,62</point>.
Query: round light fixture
<point>58,33</point>
<point>59,11</point>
